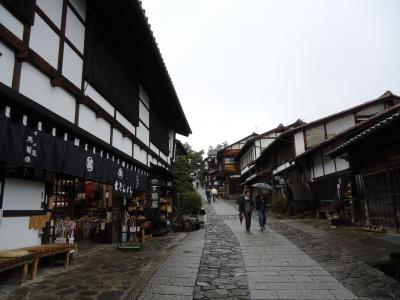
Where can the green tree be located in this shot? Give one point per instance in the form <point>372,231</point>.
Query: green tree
<point>182,179</point>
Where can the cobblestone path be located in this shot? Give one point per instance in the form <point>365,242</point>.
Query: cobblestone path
<point>330,252</point>
<point>222,274</point>
<point>277,269</point>
<point>175,279</point>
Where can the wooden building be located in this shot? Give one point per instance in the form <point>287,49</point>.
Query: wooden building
<point>297,160</point>
<point>253,149</point>
<point>211,167</point>
<point>84,97</point>
<point>229,172</point>
<point>372,151</point>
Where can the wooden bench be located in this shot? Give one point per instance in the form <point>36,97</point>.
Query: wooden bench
<point>49,250</point>
<point>7,263</point>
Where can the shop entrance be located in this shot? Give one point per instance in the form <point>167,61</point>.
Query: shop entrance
<point>82,213</point>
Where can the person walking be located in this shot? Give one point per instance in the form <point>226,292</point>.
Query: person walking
<point>214,193</point>
<point>261,206</point>
<point>208,194</point>
<point>246,207</point>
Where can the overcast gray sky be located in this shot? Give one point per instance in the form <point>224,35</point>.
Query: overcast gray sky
<point>247,65</point>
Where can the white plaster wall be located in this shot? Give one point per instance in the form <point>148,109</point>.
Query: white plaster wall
<point>143,134</point>
<point>15,233</point>
<point>318,170</point>
<point>144,114</point>
<point>6,65</point>
<point>299,143</point>
<point>266,142</point>
<point>11,23</point>
<point>122,143</point>
<point>139,154</point>
<point>75,30</point>
<point>99,99</point>
<point>336,126</point>
<point>80,6</point>
<point>329,164</point>
<point>128,125</point>
<point>36,86</point>
<point>145,98</point>
<point>154,148</point>
<point>22,194</point>
<point>52,9</point>
<point>171,142</point>
<point>72,66</point>
<point>96,126</point>
<point>341,164</point>
<point>372,110</point>
<point>163,156</point>
<point>44,41</point>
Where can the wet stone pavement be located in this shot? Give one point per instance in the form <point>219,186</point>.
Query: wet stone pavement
<point>332,252</point>
<point>101,274</point>
<point>222,274</point>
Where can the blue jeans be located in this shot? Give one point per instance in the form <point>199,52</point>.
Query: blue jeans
<point>262,219</point>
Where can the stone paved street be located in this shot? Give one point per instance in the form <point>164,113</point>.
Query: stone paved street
<point>176,277</point>
<point>102,274</point>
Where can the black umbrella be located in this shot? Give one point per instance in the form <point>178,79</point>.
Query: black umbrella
<point>262,185</point>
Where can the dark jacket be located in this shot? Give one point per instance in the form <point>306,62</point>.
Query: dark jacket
<point>261,202</point>
<point>243,206</point>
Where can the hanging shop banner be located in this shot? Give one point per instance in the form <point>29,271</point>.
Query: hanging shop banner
<point>123,184</point>
<point>155,193</point>
<point>74,160</point>
<point>11,148</point>
<point>30,151</point>
<point>93,167</point>
<point>142,183</point>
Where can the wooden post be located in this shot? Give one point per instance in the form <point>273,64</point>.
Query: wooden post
<point>35,267</point>
<point>66,259</point>
<point>24,272</point>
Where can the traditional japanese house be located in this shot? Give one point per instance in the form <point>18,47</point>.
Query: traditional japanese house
<point>229,172</point>
<point>253,148</point>
<point>372,151</point>
<point>297,159</point>
<point>88,115</point>
<point>212,168</point>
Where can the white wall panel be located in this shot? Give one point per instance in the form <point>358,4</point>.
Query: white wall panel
<point>171,142</point>
<point>72,66</point>
<point>96,126</point>
<point>266,142</point>
<point>318,170</point>
<point>329,164</point>
<point>44,41</point>
<point>154,148</point>
<point>122,143</point>
<point>6,65</point>
<point>128,125</point>
<point>336,126</point>
<point>15,233</point>
<point>163,156</point>
<point>299,143</point>
<point>371,110</point>
<point>75,30</point>
<point>80,6</point>
<point>144,114</point>
<point>36,86</point>
<point>341,164</point>
<point>145,98</point>
<point>22,194</point>
<point>52,9</point>
<point>139,154</point>
<point>99,99</point>
<point>143,134</point>
<point>11,23</point>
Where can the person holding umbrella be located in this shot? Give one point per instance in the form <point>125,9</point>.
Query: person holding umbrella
<point>246,207</point>
<point>261,205</point>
